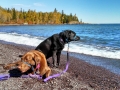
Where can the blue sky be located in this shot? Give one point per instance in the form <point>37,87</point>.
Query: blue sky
<point>90,11</point>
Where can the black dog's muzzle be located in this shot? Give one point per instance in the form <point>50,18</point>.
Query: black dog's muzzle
<point>75,38</point>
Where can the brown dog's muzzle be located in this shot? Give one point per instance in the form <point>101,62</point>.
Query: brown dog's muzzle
<point>25,66</point>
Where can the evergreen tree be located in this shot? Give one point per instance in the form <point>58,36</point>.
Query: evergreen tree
<point>8,10</point>
<point>62,17</point>
<point>14,14</point>
<point>21,14</point>
<point>55,10</point>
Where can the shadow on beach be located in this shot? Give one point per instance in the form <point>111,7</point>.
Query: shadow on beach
<point>17,73</point>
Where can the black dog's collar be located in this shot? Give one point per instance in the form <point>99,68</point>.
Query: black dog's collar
<point>61,40</point>
<point>66,40</point>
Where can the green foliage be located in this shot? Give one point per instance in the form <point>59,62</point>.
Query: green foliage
<point>12,16</point>
<point>5,16</point>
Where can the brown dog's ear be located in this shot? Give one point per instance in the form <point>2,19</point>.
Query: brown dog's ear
<point>28,58</point>
<point>37,59</point>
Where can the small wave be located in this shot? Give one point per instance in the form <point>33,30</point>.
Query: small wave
<point>91,50</point>
<point>20,38</point>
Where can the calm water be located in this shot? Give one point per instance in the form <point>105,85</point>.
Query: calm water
<point>99,44</point>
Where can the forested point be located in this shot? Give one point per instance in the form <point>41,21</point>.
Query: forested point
<point>13,16</point>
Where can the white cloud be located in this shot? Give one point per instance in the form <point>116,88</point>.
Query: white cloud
<point>38,4</point>
<point>21,5</point>
<point>33,6</point>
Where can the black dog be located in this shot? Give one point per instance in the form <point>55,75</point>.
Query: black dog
<point>53,45</point>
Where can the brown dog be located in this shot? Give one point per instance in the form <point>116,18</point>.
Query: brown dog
<point>31,60</point>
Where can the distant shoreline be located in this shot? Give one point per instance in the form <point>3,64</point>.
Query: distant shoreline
<point>43,24</point>
<point>59,24</point>
<point>11,24</point>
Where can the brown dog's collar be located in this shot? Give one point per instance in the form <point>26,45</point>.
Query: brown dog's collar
<point>31,66</point>
<point>38,66</point>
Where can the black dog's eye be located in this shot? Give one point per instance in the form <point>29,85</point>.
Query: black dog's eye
<point>70,33</point>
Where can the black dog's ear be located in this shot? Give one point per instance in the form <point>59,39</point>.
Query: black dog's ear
<point>62,34</point>
<point>65,34</point>
<point>70,31</point>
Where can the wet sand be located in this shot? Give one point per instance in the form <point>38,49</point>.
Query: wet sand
<point>80,75</point>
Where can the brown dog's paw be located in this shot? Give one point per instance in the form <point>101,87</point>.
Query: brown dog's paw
<point>7,67</point>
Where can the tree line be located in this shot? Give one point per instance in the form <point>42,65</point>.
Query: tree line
<point>13,16</point>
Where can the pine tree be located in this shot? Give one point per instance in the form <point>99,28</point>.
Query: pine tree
<point>62,16</point>
<point>14,14</point>
<point>55,10</point>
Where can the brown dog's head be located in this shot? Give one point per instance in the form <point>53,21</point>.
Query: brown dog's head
<point>27,62</point>
<point>23,67</point>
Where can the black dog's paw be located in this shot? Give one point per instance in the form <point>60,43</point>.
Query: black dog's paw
<point>54,65</point>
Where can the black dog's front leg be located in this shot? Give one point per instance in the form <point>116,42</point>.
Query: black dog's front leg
<point>54,58</point>
<point>58,58</point>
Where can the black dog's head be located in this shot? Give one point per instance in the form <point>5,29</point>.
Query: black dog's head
<point>69,35</point>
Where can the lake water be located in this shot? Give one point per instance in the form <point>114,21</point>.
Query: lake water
<point>99,44</point>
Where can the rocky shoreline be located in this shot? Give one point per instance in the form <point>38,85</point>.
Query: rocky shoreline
<point>80,75</point>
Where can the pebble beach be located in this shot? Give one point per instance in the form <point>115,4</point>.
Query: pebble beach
<point>79,76</point>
